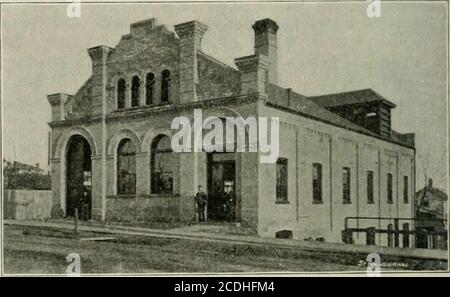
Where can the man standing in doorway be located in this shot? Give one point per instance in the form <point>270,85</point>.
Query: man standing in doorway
<point>201,200</point>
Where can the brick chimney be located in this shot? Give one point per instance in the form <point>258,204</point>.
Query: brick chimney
<point>253,71</point>
<point>99,54</point>
<point>430,183</point>
<point>266,44</point>
<point>190,34</point>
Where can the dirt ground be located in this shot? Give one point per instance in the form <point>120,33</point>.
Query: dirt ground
<point>34,253</point>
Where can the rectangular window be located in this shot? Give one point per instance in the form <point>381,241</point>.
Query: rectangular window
<point>346,185</point>
<point>282,180</point>
<point>389,189</point>
<point>317,183</point>
<point>405,190</point>
<point>370,187</point>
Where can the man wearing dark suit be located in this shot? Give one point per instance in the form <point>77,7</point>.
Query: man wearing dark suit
<point>201,200</point>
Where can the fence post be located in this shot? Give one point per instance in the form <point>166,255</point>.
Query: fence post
<point>76,220</point>
<point>396,234</point>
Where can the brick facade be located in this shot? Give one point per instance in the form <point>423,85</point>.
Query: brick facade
<point>308,133</point>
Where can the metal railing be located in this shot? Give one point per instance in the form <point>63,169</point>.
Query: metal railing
<point>423,236</point>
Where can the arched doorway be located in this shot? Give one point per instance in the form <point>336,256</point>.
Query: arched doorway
<point>79,178</point>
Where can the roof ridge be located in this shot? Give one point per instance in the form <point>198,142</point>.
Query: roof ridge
<point>216,60</point>
<point>345,92</point>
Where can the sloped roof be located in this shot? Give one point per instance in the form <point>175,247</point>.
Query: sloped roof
<point>352,97</point>
<point>304,105</point>
<point>435,194</point>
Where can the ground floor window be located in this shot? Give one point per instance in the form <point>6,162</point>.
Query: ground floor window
<point>370,199</point>
<point>317,183</point>
<point>162,166</point>
<point>346,185</point>
<point>126,167</point>
<point>282,180</point>
<point>389,189</point>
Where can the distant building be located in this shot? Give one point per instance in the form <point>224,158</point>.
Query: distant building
<point>431,214</point>
<point>339,155</point>
<point>17,175</point>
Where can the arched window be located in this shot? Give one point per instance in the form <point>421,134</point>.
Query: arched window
<point>165,86</point>
<point>149,88</point>
<point>162,165</point>
<point>126,167</point>
<point>135,90</point>
<point>121,89</point>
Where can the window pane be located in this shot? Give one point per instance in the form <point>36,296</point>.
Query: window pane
<point>405,190</point>
<point>126,168</point>
<point>135,91</point>
<point>165,86</point>
<point>317,183</point>
<point>163,163</point>
<point>149,88</point>
<point>389,188</point>
<point>121,88</point>
<point>346,185</point>
<point>370,187</point>
<point>282,180</point>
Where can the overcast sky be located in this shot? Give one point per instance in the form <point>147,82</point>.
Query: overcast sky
<point>323,48</point>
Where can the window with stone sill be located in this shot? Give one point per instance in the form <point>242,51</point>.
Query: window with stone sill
<point>346,175</point>
<point>370,198</point>
<point>282,181</point>
<point>390,199</point>
<point>121,91</point>
<point>135,91</point>
<point>317,183</point>
<point>405,190</point>
<point>149,88</point>
<point>163,164</point>
<point>165,86</point>
<point>126,168</point>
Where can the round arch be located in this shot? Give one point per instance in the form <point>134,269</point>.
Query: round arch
<point>60,152</point>
<point>61,143</point>
<point>114,141</point>
<point>149,136</point>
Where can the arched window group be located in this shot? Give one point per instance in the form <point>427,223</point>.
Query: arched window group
<point>150,89</point>
<point>162,166</point>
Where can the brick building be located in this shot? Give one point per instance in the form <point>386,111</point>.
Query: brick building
<point>339,156</point>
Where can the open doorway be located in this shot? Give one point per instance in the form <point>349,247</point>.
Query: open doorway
<point>79,178</point>
<point>221,187</point>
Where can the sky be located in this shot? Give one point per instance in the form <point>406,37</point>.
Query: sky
<point>323,48</point>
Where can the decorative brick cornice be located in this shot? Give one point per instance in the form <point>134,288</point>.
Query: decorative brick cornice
<point>58,98</point>
<point>77,121</point>
<point>142,112</point>
<point>252,63</point>
<point>161,109</point>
